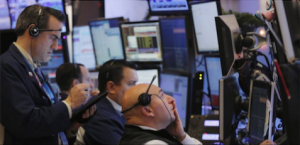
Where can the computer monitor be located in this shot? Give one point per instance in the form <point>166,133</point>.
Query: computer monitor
<point>57,57</point>
<point>178,86</point>
<point>83,51</point>
<point>213,73</point>
<point>141,41</point>
<point>204,14</point>
<point>288,17</point>
<point>16,7</point>
<point>146,75</point>
<point>4,16</point>
<point>59,5</point>
<point>177,45</point>
<point>230,107</point>
<point>168,7</point>
<point>106,39</point>
<point>228,38</point>
<point>260,110</point>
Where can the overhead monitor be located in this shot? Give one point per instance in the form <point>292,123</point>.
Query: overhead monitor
<point>83,51</point>
<point>17,6</point>
<point>204,14</point>
<point>228,32</point>
<point>214,73</point>
<point>178,86</point>
<point>106,39</point>
<point>56,59</point>
<point>230,108</point>
<point>146,75</point>
<point>4,16</point>
<point>178,51</point>
<point>141,41</point>
<point>168,7</point>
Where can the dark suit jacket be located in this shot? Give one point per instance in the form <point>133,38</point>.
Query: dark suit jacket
<point>106,127</point>
<point>26,113</point>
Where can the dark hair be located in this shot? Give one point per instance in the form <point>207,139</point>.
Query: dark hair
<point>30,15</point>
<point>66,73</point>
<point>112,70</point>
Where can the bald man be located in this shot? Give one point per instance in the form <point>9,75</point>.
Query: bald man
<point>155,123</point>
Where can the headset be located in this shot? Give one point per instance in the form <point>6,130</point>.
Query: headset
<point>34,31</point>
<point>144,98</point>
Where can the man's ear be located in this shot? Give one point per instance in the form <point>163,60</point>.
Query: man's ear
<point>147,111</point>
<point>110,86</point>
<point>28,29</point>
<point>74,82</point>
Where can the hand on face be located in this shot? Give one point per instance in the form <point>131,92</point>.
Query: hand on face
<point>79,94</point>
<point>176,128</point>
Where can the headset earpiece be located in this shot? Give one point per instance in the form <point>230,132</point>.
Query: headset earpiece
<point>144,99</point>
<point>34,31</point>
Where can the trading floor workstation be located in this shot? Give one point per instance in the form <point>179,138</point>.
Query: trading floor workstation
<point>252,81</point>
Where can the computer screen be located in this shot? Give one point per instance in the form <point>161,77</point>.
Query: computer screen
<point>177,86</point>
<point>4,15</point>
<point>259,111</point>
<point>106,39</point>
<point>230,107</point>
<point>17,6</point>
<point>168,7</point>
<point>83,51</point>
<point>228,32</point>
<point>204,14</point>
<point>57,58</point>
<point>146,75</point>
<point>178,55</point>
<point>141,41</point>
<point>213,73</point>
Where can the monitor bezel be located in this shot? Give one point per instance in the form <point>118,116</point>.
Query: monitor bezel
<point>123,45</point>
<point>168,13</point>
<point>73,58</point>
<point>190,47</point>
<point>189,94</point>
<point>219,9</point>
<point>120,19</point>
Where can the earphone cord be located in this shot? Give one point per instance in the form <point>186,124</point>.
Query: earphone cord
<point>168,111</point>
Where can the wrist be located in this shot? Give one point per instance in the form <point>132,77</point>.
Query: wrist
<point>181,137</point>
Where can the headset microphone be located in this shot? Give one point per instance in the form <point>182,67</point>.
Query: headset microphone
<point>144,99</point>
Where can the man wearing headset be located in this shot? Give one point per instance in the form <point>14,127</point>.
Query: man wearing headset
<point>107,125</point>
<point>70,74</point>
<point>27,114</point>
<point>152,119</point>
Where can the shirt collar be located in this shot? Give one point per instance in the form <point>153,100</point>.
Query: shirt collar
<point>146,127</point>
<point>26,55</point>
<point>117,107</point>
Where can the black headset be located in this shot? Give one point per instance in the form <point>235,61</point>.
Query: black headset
<point>144,98</point>
<point>34,31</point>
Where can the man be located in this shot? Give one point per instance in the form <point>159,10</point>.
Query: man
<point>27,113</point>
<point>70,74</point>
<point>155,121</point>
<point>106,127</point>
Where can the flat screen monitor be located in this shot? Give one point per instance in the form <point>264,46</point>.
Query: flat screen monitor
<point>4,16</point>
<point>56,59</point>
<point>204,14</point>
<point>168,7</point>
<point>146,75</point>
<point>230,107</point>
<point>141,41</point>
<point>213,73</point>
<point>17,6</point>
<point>228,32</point>
<point>83,51</point>
<point>178,86</point>
<point>178,52</point>
<point>259,111</point>
<point>106,39</point>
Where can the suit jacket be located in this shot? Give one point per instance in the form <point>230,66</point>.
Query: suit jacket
<point>27,114</point>
<point>106,126</point>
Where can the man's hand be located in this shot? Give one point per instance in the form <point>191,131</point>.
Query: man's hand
<point>268,142</point>
<point>176,128</point>
<point>79,94</point>
<point>95,92</point>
